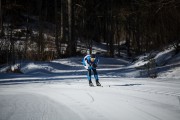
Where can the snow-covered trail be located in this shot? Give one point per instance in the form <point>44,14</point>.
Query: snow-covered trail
<point>119,98</point>
<point>30,106</point>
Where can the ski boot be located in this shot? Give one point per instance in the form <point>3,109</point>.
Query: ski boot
<point>97,83</point>
<point>90,83</point>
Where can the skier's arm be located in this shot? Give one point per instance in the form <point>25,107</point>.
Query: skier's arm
<point>87,65</point>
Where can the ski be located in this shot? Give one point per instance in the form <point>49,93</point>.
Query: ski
<point>95,86</point>
<point>91,84</point>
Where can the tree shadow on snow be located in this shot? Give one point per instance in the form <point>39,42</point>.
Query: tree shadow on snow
<point>39,80</point>
<point>128,85</point>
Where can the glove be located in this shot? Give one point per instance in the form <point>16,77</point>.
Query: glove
<point>90,67</point>
<point>86,67</point>
<point>94,65</point>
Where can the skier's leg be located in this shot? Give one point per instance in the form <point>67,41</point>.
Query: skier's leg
<point>89,77</point>
<point>95,74</point>
<point>89,74</point>
<point>96,77</point>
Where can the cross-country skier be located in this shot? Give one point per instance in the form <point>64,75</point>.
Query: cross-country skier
<point>90,63</point>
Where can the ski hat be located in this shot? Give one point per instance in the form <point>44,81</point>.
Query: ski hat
<point>93,57</point>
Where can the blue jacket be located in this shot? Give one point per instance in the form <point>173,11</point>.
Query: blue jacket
<point>87,61</point>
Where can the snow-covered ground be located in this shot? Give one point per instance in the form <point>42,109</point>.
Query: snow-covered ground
<point>126,99</point>
<point>58,90</point>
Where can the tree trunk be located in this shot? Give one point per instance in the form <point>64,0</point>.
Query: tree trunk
<point>63,20</point>
<point>71,39</point>
<point>1,18</point>
<point>128,34</point>
<point>56,31</point>
<point>12,46</point>
<point>27,32</point>
<point>110,28</point>
<point>40,40</point>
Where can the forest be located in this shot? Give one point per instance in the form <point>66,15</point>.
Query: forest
<point>51,29</point>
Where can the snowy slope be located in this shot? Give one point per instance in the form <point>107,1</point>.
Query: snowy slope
<point>59,90</point>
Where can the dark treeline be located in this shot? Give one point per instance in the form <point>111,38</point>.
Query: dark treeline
<point>141,25</point>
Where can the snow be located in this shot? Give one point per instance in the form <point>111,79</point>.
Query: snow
<point>58,90</point>
<point>172,73</point>
<point>127,99</point>
<point>162,57</point>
